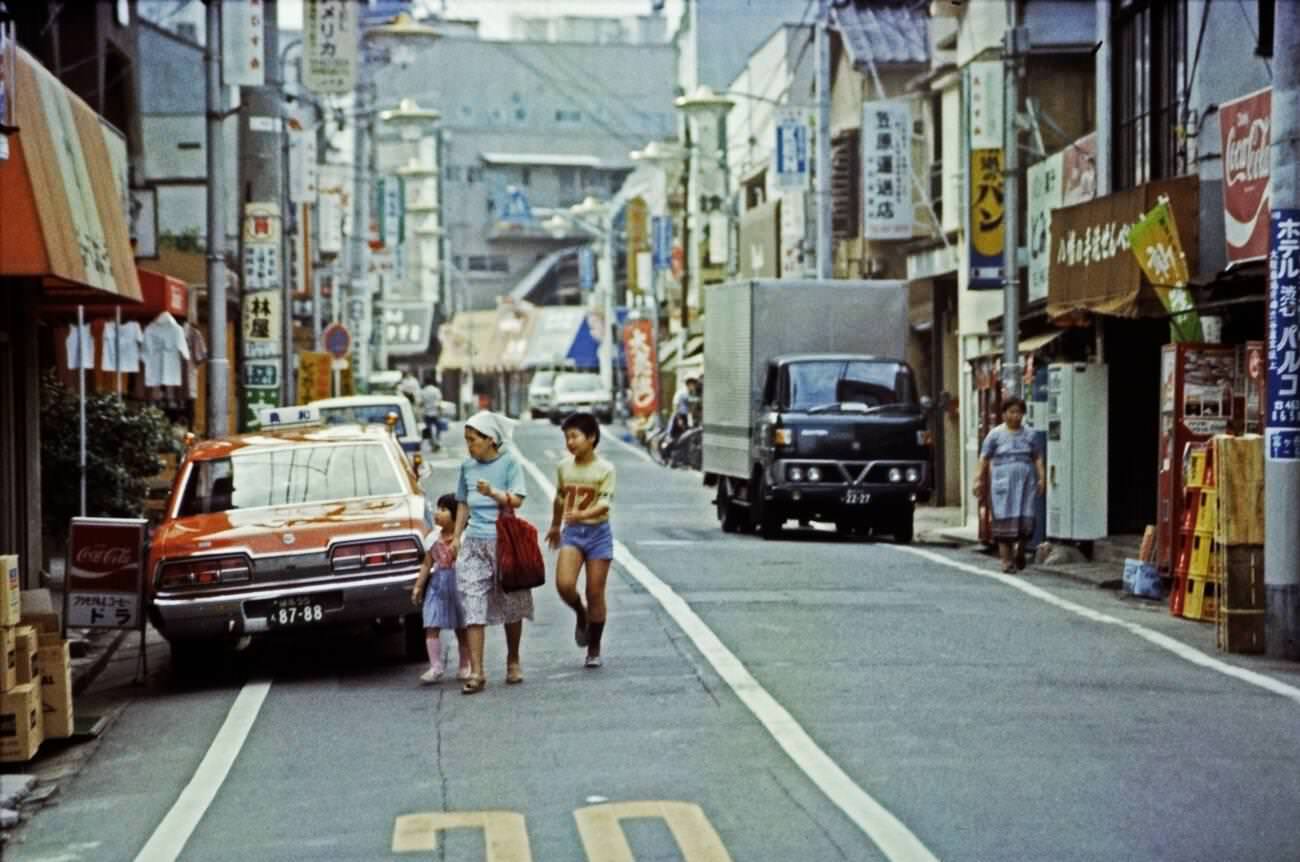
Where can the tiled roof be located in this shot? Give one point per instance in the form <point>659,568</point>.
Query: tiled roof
<point>882,32</point>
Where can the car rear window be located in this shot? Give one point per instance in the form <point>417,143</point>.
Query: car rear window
<point>363,414</point>
<point>297,474</point>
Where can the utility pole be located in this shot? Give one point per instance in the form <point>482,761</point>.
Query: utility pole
<point>218,364</point>
<point>1282,473</point>
<point>824,269</point>
<point>1015,44</point>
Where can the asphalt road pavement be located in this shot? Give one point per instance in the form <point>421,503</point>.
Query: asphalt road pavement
<point>811,698</point>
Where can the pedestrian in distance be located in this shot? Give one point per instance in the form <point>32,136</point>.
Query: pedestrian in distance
<point>410,387</point>
<point>1010,476</point>
<point>580,529</point>
<point>435,592</point>
<point>490,480</point>
<point>431,406</point>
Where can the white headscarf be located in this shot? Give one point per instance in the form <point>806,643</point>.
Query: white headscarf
<point>494,425</point>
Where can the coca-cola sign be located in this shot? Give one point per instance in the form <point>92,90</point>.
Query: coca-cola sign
<point>1244,129</point>
<point>105,575</point>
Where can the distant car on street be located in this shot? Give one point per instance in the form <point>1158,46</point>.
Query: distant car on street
<point>575,391</point>
<point>541,393</point>
<point>374,409</point>
<point>288,528</point>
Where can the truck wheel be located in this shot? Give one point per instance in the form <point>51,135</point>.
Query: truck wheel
<point>904,526</point>
<point>729,514</point>
<point>766,522</point>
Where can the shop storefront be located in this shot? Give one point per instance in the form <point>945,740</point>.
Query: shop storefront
<point>64,244</point>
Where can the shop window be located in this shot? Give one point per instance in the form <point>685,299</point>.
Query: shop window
<point>1150,74</point>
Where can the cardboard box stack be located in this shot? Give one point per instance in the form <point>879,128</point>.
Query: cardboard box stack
<point>35,673</point>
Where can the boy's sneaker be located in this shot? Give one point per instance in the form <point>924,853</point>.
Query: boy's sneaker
<point>593,661</point>
<point>430,676</point>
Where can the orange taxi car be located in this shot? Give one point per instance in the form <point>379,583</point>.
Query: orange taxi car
<point>295,526</point>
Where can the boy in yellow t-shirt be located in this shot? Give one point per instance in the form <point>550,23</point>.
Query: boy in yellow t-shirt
<point>584,494</point>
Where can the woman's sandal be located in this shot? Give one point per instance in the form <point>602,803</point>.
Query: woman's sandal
<point>474,685</point>
<point>514,674</point>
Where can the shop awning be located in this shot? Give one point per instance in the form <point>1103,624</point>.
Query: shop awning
<point>512,324</point>
<point>553,335</point>
<point>464,337</point>
<point>1032,344</point>
<point>64,195</point>
<point>1093,270</point>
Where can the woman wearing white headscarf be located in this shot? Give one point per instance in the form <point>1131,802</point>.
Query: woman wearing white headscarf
<point>489,479</point>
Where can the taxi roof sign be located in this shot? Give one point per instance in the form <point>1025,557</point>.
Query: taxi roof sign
<point>295,416</point>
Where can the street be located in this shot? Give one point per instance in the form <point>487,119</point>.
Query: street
<point>812,698</point>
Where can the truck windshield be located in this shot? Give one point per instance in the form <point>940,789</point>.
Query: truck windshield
<point>296,474</point>
<point>831,382</point>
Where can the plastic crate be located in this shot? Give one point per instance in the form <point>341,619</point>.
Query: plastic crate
<point>1201,600</point>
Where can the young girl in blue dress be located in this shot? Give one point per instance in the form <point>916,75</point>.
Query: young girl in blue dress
<point>435,590</point>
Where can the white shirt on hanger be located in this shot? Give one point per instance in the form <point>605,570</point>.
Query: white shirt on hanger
<point>130,336</point>
<point>164,347</point>
<point>81,350</point>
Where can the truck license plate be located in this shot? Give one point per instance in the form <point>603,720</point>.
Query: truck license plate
<point>296,611</point>
<point>854,497</point>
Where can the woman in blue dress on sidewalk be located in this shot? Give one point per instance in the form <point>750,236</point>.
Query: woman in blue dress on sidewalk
<point>1011,474</point>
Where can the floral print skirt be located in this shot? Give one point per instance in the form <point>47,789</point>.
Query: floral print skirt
<point>483,602</point>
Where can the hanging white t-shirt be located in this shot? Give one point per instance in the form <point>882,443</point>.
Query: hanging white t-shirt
<point>129,337</point>
<point>164,348</point>
<point>81,347</point>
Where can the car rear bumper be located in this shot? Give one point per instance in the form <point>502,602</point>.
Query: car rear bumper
<point>234,614</point>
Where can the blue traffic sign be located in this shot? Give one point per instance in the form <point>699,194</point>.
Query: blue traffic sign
<point>336,340</point>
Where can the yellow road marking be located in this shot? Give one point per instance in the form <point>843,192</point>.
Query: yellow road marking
<point>604,841</point>
<point>504,833</point>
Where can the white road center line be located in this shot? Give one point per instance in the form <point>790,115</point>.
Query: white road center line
<point>1163,641</point>
<point>886,831</point>
<point>168,840</point>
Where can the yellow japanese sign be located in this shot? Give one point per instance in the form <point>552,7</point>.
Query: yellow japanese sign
<point>638,217</point>
<point>313,375</point>
<point>986,219</point>
<point>1159,252</point>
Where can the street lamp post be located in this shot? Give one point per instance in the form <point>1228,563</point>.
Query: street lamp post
<point>703,102</point>
<point>401,27</point>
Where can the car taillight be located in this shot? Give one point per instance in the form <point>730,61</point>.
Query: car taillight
<point>204,572</point>
<point>370,555</point>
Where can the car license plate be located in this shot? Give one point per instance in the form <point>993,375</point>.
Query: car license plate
<point>295,611</point>
<point>854,497</point>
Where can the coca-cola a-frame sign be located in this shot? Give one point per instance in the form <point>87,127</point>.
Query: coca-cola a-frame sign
<point>1244,129</point>
<point>104,584</point>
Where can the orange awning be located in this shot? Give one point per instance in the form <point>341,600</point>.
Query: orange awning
<point>63,195</point>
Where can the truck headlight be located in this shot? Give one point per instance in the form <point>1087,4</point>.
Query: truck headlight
<point>794,474</point>
<point>895,474</point>
<point>814,474</point>
<point>913,475</point>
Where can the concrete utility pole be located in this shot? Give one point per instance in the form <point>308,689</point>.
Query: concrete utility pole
<point>259,175</point>
<point>1014,46</point>
<point>1282,477</point>
<point>824,253</point>
<point>218,364</point>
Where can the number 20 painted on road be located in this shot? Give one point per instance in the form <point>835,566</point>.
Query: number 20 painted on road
<point>505,836</point>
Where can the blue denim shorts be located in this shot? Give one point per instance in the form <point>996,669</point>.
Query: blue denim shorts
<point>594,541</point>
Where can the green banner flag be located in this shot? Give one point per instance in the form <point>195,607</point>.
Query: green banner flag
<point>1155,244</point>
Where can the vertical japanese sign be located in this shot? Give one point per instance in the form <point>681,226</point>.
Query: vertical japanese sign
<point>303,179</point>
<point>662,229</point>
<point>1282,408</point>
<point>390,209</point>
<point>330,42</point>
<point>790,157</point>
<point>1159,252</point>
<point>243,51</point>
<point>586,268</point>
<point>986,99</point>
<point>887,170</point>
<point>986,222</point>
<point>1045,194</point>
<point>1244,131</point>
<point>642,367</point>
<point>105,579</point>
<point>313,376</point>
<point>793,231</point>
<point>262,320</point>
<point>637,215</point>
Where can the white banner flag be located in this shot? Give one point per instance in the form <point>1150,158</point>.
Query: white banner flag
<point>243,46</point>
<point>1045,194</point>
<point>329,45</point>
<point>887,170</point>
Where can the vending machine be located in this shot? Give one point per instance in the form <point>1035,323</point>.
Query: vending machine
<point>1077,450</point>
<point>1196,402</point>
